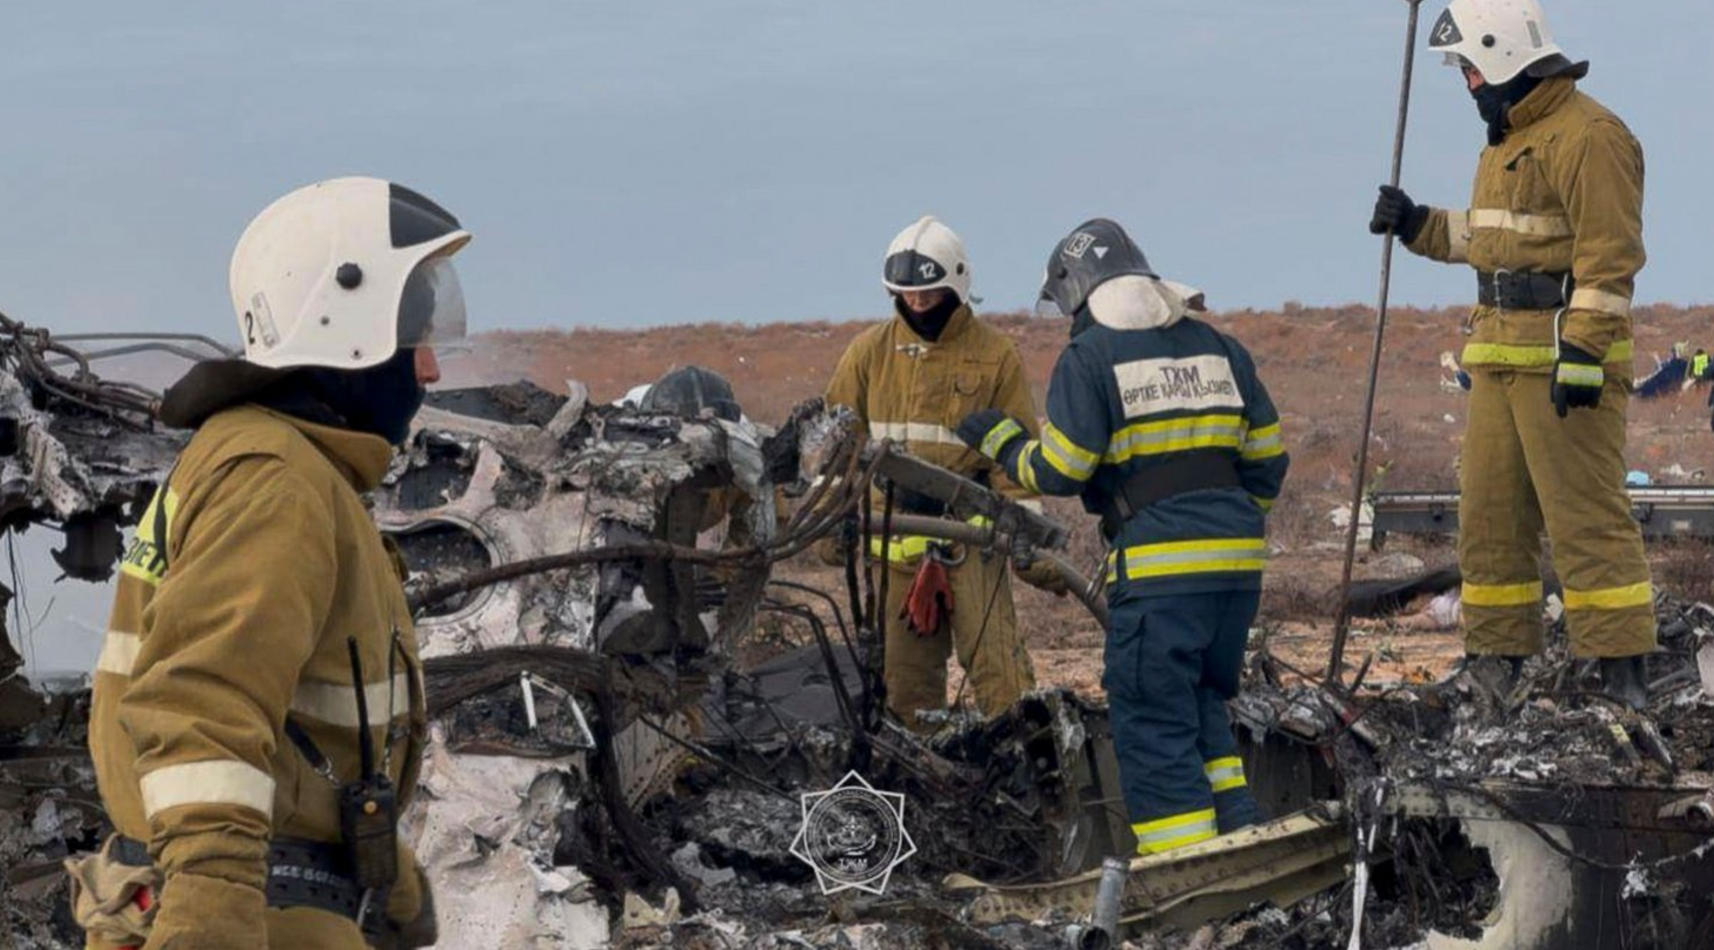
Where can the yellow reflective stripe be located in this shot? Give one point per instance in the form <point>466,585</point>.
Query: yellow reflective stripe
<point>1175,435</point>
<point>1502,595</point>
<point>1225,774</point>
<point>1263,443</point>
<point>1577,374</point>
<point>1610,598</point>
<point>1196,557</point>
<point>1458,233</point>
<point>213,782</point>
<point>1153,837</point>
<point>914,432</point>
<point>1112,567</point>
<point>336,703</point>
<point>1534,225</point>
<point>1266,504</point>
<point>1518,354</point>
<point>1026,475</point>
<point>1588,298</point>
<point>145,559</point>
<point>900,550</point>
<point>1004,431</point>
<point>119,653</point>
<point>1067,457</point>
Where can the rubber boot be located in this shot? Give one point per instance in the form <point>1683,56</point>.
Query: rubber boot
<point>1625,679</point>
<point>1235,809</point>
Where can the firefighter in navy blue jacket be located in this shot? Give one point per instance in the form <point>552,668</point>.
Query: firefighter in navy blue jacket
<point>1161,424</point>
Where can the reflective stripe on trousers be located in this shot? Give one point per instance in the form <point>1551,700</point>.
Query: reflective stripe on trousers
<point>1175,831</point>
<point>1225,774</point>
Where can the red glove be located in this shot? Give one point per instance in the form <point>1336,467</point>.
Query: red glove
<point>928,605</point>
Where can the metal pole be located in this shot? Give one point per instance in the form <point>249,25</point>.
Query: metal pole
<point>1336,662</point>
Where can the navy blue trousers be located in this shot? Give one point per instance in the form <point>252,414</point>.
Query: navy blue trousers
<point>1172,662</point>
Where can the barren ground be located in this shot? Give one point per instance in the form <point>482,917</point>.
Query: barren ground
<point>1314,361</point>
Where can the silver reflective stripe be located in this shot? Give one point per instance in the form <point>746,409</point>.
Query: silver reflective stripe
<point>1266,443</point>
<point>119,653</point>
<point>1187,833</point>
<point>336,703</point>
<point>1066,463</point>
<point>1237,555</point>
<point>1534,225</point>
<point>914,432</point>
<point>213,782</point>
<point>1588,298</point>
<point>1130,443</point>
<point>1458,232</point>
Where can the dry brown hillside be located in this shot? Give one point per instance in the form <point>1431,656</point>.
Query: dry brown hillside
<point>1313,360</point>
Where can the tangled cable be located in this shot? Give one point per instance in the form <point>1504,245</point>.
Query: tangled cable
<point>26,350</point>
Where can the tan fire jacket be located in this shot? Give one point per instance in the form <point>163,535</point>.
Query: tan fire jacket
<point>234,621</point>
<point>1562,194</point>
<point>905,388</point>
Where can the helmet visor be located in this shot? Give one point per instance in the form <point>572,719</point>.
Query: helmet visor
<point>909,270</point>
<point>431,309</point>
<point>1048,307</point>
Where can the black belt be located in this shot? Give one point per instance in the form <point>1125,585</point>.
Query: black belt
<point>1522,290</point>
<point>301,873</point>
<point>1192,471</point>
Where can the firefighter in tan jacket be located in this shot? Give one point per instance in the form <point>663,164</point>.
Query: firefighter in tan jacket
<point>228,730</point>
<point>1554,232</point>
<point>912,379</point>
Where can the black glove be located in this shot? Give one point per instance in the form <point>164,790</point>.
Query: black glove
<point>989,431</point>
<point>1577,380</point>
<point>1395,212</point>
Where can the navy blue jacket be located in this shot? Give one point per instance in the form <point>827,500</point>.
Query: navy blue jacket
<point>1124,402</point>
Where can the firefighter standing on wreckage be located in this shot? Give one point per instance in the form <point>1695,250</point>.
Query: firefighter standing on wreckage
<point>258,716</point>
<point>911,379</point>
<point>1554,231</point>
<point>1161,424</point>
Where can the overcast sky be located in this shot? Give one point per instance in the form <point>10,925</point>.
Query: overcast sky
<point>627,164</point>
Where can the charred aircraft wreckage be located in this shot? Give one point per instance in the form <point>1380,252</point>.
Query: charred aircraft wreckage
<point>617,758</point>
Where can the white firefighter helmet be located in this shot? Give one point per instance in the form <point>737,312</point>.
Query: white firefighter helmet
<point>344,273</point>
<point>1501,38</point>
<point>927,255</point>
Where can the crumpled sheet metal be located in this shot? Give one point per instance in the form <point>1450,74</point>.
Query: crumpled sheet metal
<point>485,832</point>
<point>588,489</point>
<point>486,826</point>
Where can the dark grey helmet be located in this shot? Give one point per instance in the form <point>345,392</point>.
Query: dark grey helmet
<point>689,390</point>
<point>1095,252</point>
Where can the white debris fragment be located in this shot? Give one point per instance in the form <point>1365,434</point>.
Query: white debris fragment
<point>640,913</point>
<point>1637,884</point>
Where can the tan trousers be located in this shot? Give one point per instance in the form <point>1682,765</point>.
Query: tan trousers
<point>1523,469</point>
<point>993,654</point>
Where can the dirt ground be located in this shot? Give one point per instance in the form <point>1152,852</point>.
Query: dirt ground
<point>1314,360</point>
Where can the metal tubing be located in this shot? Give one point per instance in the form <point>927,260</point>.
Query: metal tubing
<point>1336,661</point>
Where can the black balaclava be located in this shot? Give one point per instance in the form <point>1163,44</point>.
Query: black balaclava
<point>1495,102</point>
<point>381,400</point>
<point>931,323</point>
